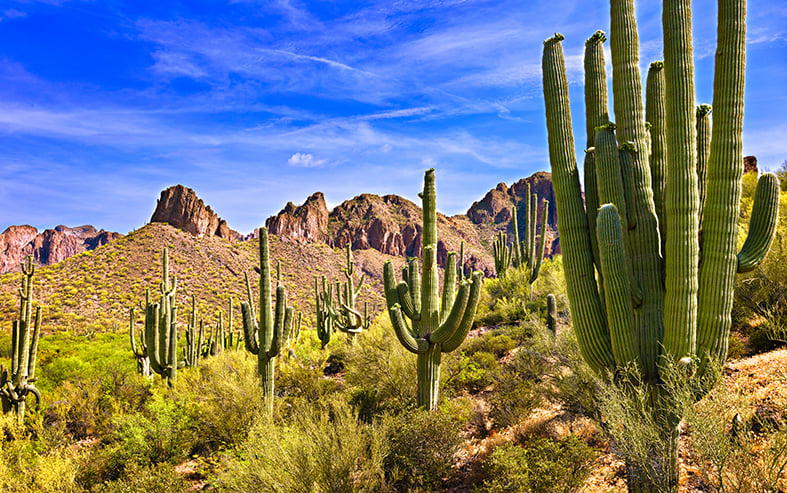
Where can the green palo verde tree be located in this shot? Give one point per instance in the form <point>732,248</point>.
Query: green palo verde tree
<point>436,324</point>
<point>667,287</point>
<point>16,387</point>
<point>265,338</point>
<point>161,332</point>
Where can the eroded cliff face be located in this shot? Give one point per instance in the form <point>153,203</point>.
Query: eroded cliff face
<point>307,222</point>
<point>180,207</point>
<point>50,246</point>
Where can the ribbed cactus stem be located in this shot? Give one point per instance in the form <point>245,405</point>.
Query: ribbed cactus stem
<point>434,327</point>
<point>344,316</point>
<point>655,114</point>
<point>502,251</point>
<point>161,336</point>
<point>703,153</point>
<point>265,338</point>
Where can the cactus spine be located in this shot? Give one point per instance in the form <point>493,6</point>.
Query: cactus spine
<point>161,332</point>
<point>525,254</point>
<point>436,324</point>
<point>344,315</point>
<point>672,307</point>
<point>16,387</point>
<point>264,339</point>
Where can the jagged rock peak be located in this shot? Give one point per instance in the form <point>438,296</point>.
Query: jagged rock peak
<point>50,246</point>
<point>749,164</point>
<point>308,222</point>
<point>180,207</point>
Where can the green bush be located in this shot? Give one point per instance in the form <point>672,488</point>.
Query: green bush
<point>161,477</point>
<point>471,373</point>
<point>539,465</point>
<point>421,449</point>
<point>323,447</point>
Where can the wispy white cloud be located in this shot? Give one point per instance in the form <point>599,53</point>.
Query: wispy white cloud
<point>304,160</point>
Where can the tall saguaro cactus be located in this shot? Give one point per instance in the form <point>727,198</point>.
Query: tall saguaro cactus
<point>141,352</point>
<point>322,304</point>
<point>437,324</point>
<point>265,338</point>
<point>161,331</point>
<point>16,387</point>
<point>666,296</point>
<point>194,336</point>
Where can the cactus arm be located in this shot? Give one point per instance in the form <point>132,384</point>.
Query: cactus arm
<point>541,243</point>
<point>413,279</point>
<point>655,114</point>
<point>620,312</point>
<point>466,324</point>
<point>703,153</point>
<point>723,191</point>
<point>250,295</point>
<point>137,353</point>
<point>449,281</point>
<point>172,349</point>
<point>249,328</point>
<point>762,225</point>
<point>14,348</point>
<point>592,203</point>
<point>454,318</point>
<point>682,198</point>
<point>515,257</point>
<point>406,302</point>
<point>280,326</point>
<point>531,249</point>
<point>31,365</point>
<point>403,332</point>
<point>590,325</point>
<point>461,266</point>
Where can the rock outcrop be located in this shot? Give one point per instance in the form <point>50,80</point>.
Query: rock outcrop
<point>308,222</point>
<point>50,246</point>
<point>495,208</point>
<point>749,164</point>
<point>180,207</point>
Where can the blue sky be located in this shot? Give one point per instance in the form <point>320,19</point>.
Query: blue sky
<point>256,103</point>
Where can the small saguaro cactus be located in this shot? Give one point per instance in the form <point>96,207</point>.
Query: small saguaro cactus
<point>322,303</point>
<point>551,314</point>
<point>503,253</point>
<point>16,387</point>
<point>194,337</point>
<point>265,338</point>
<point>141,353</point>
<point>437,324</point>
<point>525,254</point>
<point>161,331</point>
<point>344,315</point>
<point>667,226</point>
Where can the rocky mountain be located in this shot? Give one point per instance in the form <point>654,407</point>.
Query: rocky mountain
<point>180,207</point>
<point>50,246</point>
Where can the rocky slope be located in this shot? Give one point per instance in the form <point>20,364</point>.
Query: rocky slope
<point>50,246</point>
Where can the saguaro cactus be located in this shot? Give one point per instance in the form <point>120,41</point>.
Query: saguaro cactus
<point>161,331</point>
<point>141,353</point>
<point>16,387</point>
<point>663,306</point>
<point>344,315</point>
<point>551,314</point>
<point>322,303</point>
<point>265,338</point>
<point>525,254</point>
<point>437,324</point>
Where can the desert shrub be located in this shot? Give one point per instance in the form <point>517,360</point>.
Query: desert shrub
<point>382,366</point>
<point>538,465</point>
<point>322,447</point>
<point>421,448</point>
<point>732,457</point>
<point>471,373</point>
<point>162,477</point>
<point>491,342</point>
<point>517,390</point>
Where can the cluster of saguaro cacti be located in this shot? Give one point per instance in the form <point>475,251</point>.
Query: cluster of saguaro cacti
<point>503,253</point>
<point>265,338</point>
<point>525,254</point>
<point>20,383</point>
<point>161,332</point>
<point>666,269</point>
<point>322,303</point>
<point>221,338</point>
<point>437,324</point>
